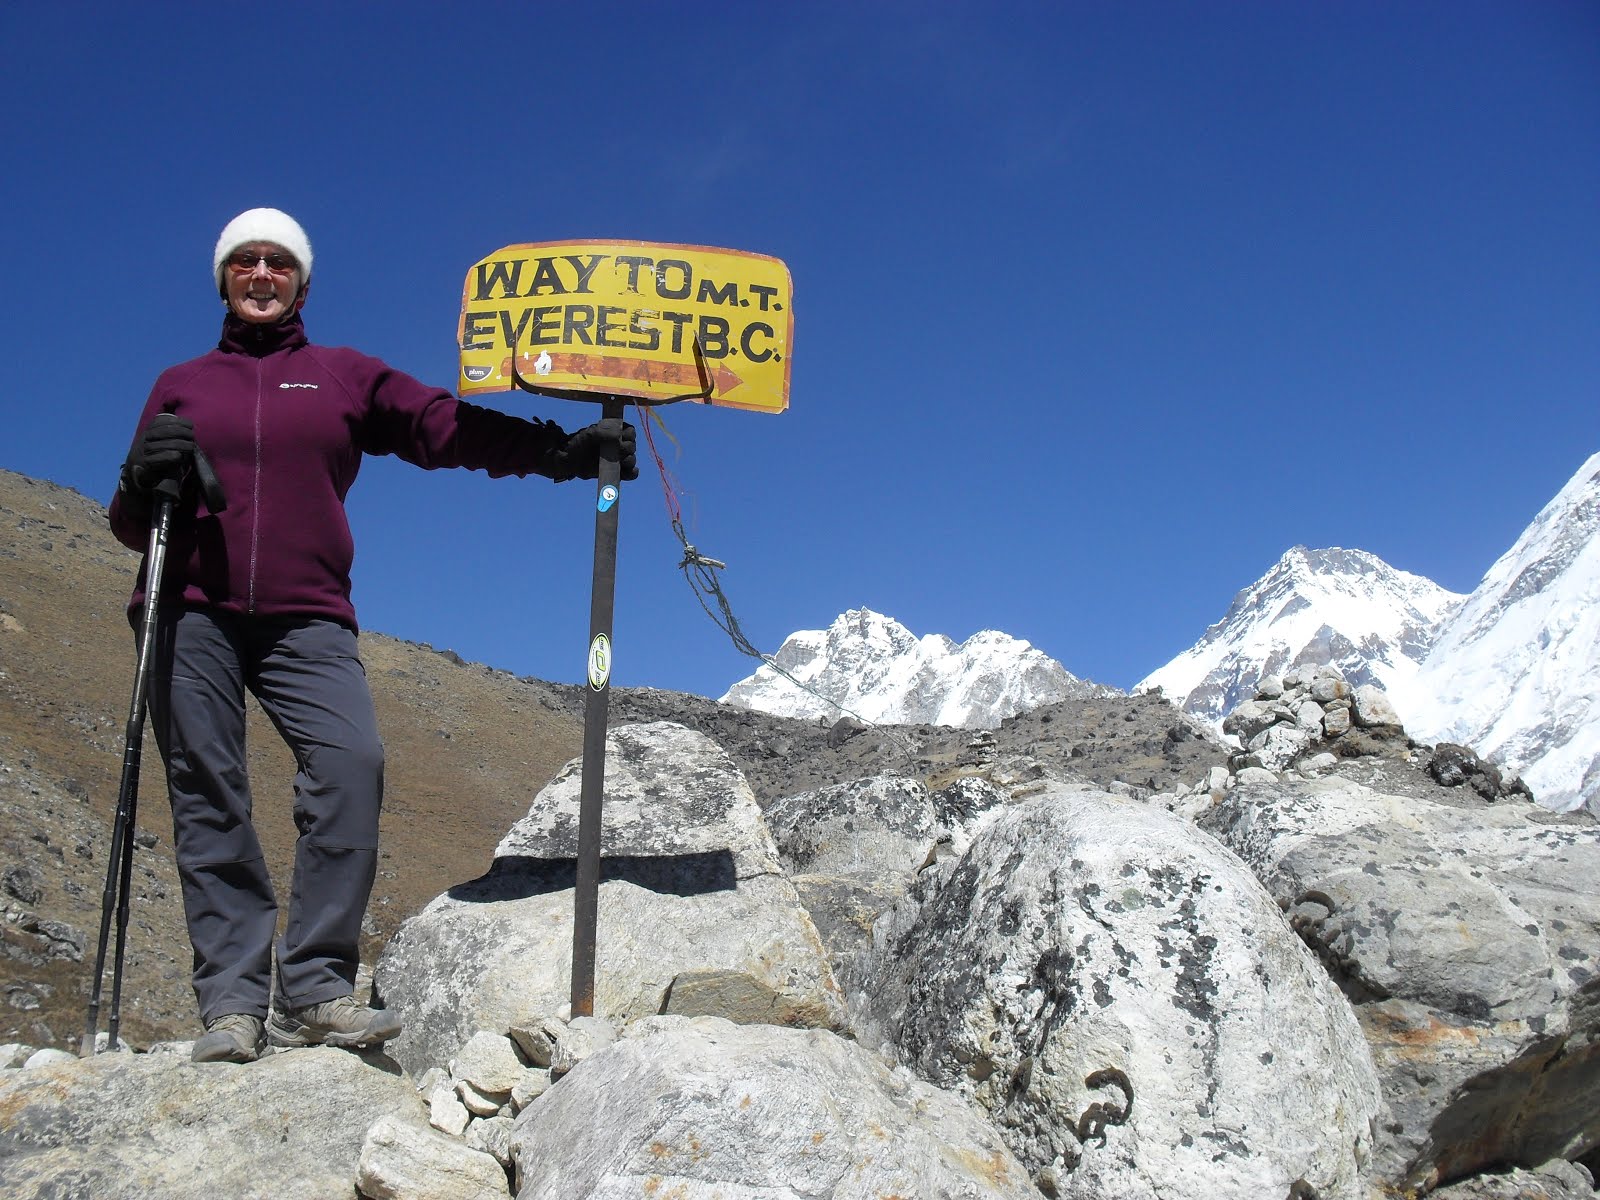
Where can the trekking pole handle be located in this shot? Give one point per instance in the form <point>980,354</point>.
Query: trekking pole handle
<point>210,486</point>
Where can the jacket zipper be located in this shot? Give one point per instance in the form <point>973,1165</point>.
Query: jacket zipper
<point>255,501</point>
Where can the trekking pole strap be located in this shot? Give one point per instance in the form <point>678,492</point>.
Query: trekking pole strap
<point>210,485</point>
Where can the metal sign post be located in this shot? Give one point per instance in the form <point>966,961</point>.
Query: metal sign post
<point>610,321</point>
<point>596,710</point>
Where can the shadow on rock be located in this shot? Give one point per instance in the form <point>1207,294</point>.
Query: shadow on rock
<point>518,877</point>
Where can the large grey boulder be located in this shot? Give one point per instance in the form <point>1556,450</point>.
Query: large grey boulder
<point>852,848</point>
<point>867,827</point>
<point>1127,1003</point>
<point>705,1108</point>
<point>158,1127</point>
<point>695,915</point>
<point>1467,935</point>
<point>844,908</point>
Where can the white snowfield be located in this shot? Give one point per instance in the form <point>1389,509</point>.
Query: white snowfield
<point>1515,674</point>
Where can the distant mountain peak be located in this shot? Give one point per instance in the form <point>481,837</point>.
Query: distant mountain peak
<point>870,665</point>
<point>1314,606</point>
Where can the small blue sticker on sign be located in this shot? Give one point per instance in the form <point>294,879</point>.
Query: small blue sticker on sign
<point>608,497</point>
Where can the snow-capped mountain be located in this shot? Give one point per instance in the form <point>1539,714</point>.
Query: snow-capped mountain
<point>1347,608</point>
<point>873,667</point>
<point>1515,674</point>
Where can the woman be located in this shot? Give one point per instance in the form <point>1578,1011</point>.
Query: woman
<point>256,598</point>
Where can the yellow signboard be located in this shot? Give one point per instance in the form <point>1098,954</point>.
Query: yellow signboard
<point>653,321</point>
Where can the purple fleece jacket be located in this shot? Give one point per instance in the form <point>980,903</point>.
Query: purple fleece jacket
<point>285,424</point>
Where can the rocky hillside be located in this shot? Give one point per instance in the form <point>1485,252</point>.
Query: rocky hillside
<point>1002,984</point>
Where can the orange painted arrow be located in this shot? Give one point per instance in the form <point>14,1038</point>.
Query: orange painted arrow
<point>724,379</point>
<point>642,370</point>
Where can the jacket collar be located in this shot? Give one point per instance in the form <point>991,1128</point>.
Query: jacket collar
<point>258,341</point>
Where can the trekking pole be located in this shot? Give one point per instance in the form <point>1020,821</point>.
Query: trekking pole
<point>602,596</point>
<point>119,861</point>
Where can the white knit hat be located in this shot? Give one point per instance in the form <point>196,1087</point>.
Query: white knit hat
<point>263,225</point>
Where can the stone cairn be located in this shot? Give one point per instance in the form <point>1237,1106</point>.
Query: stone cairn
<point>1307,713</point>
<point>1309,719</point>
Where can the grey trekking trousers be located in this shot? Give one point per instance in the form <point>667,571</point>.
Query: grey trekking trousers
<point>310,681</point>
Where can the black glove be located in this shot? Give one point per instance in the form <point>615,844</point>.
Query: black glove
<point>580,457</point>
<point>165,450</point>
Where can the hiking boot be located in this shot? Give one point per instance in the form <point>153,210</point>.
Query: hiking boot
<point>340,1022</point>
<point>234,1037</point>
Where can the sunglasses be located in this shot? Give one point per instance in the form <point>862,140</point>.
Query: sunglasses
<point>244,261</point>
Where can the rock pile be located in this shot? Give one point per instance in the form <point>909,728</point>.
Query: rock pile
<point>698,915</point>
<point>475,1101</point>
<point>1310,712</point>
<point>1308,720</point>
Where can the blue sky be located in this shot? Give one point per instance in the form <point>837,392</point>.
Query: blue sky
<point>1099,308</point>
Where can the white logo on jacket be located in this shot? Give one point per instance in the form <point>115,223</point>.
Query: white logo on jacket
<point>312,386</point>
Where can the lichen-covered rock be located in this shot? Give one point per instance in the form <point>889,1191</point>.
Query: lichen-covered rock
<point>582,1039</point>
<point>851,849</point>
<point>1277,747</point>
<point>1370,706</point>
<point>1558,1180</point>
<point>488,1062</point>
<point>1120,995</point>
<point>869,826</point>
<point>1469,939</point>
<point>1253,717</point>
<point>138,1126</point>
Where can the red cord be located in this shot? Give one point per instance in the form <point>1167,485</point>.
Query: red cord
<point>670,486</point>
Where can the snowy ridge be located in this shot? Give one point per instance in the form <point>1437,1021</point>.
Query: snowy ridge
<point>1516,673</point>
<point>877,669</point>
<point>1347,608</point>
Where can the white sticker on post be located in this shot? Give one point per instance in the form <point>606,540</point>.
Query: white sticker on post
<point>599,661</point>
